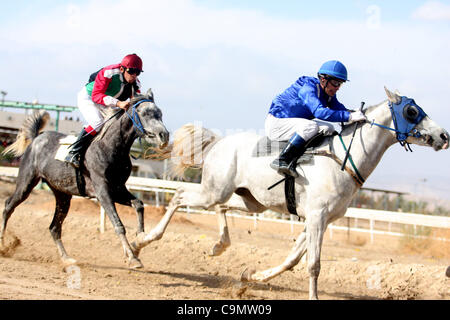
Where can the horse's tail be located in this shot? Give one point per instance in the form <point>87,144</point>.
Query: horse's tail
<point>31,128</point>
<point>190,146</point>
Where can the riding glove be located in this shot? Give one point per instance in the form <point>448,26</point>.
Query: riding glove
<point>356,116</point>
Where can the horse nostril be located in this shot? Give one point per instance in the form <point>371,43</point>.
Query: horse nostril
<point>444,137</point>
<point>163,136</point>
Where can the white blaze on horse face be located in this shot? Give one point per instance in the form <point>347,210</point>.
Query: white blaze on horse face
<point>432,135</point>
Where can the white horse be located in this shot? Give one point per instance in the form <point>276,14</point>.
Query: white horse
<point>323,190</point>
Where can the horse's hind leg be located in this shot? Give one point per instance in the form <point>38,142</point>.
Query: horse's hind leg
<point>294,257</point>
<point>192,198</point>
<point>156,233</point>
<point>61,210</point>
<point>224,241</point>
<point>25,184</point>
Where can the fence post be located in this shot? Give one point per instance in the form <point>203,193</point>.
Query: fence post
<point>102,220</point>
<point>291,217</point>
<point>157,198</point>
<point>372,222</point>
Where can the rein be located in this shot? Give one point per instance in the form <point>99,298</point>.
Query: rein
<point>402,143</point>
<point>134,117</point>
<point>406,115</point>
<point>356,175</point>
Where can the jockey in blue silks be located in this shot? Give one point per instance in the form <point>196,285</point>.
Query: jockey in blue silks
<point>305,109</point>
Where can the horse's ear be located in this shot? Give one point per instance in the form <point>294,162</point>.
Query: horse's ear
<point>150,94</point>
<point>393,97</point>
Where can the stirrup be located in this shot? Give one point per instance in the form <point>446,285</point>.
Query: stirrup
<point>288,171</point>
<point>285,170</point>
<point>73,159</point>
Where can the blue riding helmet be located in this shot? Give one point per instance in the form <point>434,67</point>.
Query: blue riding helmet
<point>334,69</point>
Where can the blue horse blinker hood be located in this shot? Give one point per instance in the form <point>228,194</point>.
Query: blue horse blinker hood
<point>406,115</point>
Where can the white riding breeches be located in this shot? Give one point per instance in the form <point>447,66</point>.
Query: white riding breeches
<point>93,113</point>
<point>281,129</point>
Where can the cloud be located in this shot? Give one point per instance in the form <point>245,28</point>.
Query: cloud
<point>432,10</point>
<point>198,55</point>
<point>223,66</point>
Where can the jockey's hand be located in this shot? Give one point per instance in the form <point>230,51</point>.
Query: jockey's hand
<point>357,116</point>
<point>123,105</point>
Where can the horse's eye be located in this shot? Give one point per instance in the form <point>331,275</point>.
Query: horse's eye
<point>410,113</point>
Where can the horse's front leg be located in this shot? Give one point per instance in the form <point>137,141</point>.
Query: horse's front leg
<point>125,197</point>
<point>107,202</point>
<point>316,225</point>
<point>193,198</point>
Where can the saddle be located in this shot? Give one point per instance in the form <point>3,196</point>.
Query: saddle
<point>64,147</point>
<point>61,153</point>
<point>266,147</point>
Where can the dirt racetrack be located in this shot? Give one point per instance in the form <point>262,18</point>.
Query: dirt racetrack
<point>179,267</point>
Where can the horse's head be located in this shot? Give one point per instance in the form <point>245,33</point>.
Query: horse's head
<point>147,119</point>
<point>413,125</point>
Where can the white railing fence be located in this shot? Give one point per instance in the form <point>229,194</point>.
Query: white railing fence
<point>372,216</point>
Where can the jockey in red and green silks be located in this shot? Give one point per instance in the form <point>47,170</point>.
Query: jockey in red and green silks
<point>303,110</point>
<point>110,87</point>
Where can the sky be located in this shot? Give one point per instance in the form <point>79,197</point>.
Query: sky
<point>221,62</point>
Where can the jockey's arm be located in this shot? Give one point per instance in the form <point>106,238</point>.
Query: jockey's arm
<point>319,111</point>
<point>99,90</point>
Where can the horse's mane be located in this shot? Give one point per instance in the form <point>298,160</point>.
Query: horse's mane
<point>189,148</point>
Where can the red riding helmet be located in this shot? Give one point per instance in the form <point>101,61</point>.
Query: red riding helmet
<point>132,61</point>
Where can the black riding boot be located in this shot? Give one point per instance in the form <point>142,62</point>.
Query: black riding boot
<point>78,148</point>
<point>287,160</point>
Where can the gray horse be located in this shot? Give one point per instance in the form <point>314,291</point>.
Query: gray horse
<point>323,190</point>
<point>106,167</point>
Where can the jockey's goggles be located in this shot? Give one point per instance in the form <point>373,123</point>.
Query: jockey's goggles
<point>331,80</point>
<point>133,71</point>
<point>335,83</point>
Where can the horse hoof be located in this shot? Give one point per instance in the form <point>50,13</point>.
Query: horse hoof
<point>135,263</point>
<point>246,275</point>
<point>217,250</point>
<point>69,262</point>
<point>135,250</point>
<point>135,245</point>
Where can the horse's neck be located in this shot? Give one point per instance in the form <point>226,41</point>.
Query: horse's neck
<point>121,134</point>
<point>371,142</point>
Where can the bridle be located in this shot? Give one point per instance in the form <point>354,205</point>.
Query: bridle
<point>134,117</point>
<point>406,115</point>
